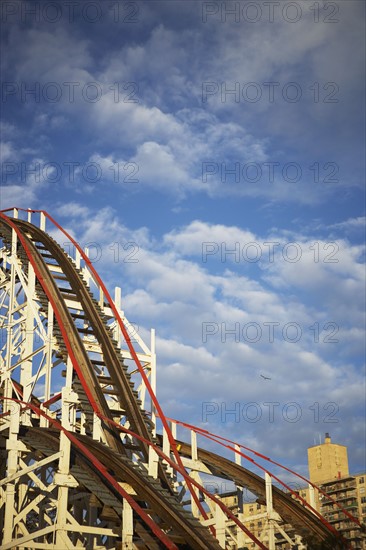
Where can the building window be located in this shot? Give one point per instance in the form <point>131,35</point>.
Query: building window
<point>363,500</point>
<point>361,480</point>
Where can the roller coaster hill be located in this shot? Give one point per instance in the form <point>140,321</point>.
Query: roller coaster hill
<point>87,458</point>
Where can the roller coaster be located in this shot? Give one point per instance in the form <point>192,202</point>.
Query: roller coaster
<point>88,459</point>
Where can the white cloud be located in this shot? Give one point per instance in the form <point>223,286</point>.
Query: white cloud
<point>7,152</point>
<point>17,195</point>
<point>350,224</point>
<point>33,176</point>
<point>191,238</point>
<point>7,130</point>
<point>44,60</point>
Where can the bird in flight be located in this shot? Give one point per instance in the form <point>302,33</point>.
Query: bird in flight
<point>266,377</point>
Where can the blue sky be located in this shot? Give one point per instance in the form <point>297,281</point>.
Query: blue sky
<point>191,131</point>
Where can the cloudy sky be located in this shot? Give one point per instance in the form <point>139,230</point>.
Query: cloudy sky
<point>214,154</point>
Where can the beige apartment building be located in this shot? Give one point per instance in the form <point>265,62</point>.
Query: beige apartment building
<point>327,461</point>
<point>328,468</point>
